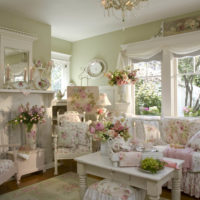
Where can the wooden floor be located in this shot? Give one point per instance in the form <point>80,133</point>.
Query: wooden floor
<point>65,167</point>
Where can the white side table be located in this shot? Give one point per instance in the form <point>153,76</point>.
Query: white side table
<point>33,164</point>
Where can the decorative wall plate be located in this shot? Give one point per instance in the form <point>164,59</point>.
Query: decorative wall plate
<point>42,84</point>
<point>20,85</point>
<point>96,68</point>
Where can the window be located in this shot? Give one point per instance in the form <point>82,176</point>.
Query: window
<point>60,76</point>
<point>188,86</point>
<point>148,88</point>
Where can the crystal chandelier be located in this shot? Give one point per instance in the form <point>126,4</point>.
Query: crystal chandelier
<point>123,5</point>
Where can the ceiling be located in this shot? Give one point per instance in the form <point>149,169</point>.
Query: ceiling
<point>74,20</point>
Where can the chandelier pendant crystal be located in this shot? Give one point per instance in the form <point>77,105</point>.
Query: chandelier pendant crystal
<point>123,5</point>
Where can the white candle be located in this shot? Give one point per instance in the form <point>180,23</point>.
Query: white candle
<point>7,72</point>
<point>31,73</point>
<point>24,74</point>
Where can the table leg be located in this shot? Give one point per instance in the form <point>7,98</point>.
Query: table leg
<point>153,198</point>
<point>154,190</point>
<point>82,179</point>
<point>176,184</point>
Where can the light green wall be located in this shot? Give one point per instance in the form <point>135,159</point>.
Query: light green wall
<point>107,47</point>
<point>61,46</point>
<point>42,46</point>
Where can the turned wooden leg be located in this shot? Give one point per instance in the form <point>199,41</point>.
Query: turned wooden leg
<point>176,185</point>
<point>154,190</point>
<point>153,198</point>
<point>18,177</point>
<point>82,179</point>
<point>55,166</point>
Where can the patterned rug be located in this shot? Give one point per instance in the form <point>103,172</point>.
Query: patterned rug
<point>63,187</point>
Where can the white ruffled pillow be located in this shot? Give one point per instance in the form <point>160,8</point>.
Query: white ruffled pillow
<point>69,116</point>
<point>194,142</point>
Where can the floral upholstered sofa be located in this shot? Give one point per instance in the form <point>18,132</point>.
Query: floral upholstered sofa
<point>177,138</point>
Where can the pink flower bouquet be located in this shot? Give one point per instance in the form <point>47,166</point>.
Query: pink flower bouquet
<point>122,77</point>
<point>29,116</point>
<point>106,130</point>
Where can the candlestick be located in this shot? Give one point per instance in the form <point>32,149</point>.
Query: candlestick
<point>24,74</point>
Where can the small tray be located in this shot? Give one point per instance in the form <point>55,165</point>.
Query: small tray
<point>149,172</point>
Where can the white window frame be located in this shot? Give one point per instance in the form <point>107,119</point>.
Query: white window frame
<point>175,82</point>
<point>65,60</point>
<point>167,45</point>
<point>145,78</point>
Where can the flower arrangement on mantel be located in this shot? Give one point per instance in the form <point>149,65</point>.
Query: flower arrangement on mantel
<point>107,130</point>
<point>122,77</point>
<point>29,116</point>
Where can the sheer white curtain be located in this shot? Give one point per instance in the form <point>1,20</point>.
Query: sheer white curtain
<point>163,49</point>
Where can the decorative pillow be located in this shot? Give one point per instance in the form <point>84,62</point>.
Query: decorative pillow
<point>152,132</point>
<point>194,127</point>
<point>81,130</point>
<point>194,142</point>
<point>176,131</point>
<point>67,135</point>
<point>5,165</point>
<point>69,116</point>
<point>83,133</point>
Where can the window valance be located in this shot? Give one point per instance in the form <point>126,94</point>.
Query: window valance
<point>178,45</point>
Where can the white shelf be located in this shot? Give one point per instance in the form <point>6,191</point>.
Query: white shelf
<point>26,91</point>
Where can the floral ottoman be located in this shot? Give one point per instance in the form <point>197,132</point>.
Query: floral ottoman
<point>110,190</point>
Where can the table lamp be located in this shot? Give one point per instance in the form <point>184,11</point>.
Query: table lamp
<point>102,102</point>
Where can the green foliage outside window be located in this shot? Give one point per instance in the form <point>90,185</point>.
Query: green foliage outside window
<point>188,68</point>
<point>148,98</point>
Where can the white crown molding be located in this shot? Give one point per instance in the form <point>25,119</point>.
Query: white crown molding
<point>11,33</point>
<point>60,56</point>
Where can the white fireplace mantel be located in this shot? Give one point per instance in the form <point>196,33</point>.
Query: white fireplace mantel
<point>26,91</point>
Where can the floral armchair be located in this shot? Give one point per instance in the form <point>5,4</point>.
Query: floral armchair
<point>71,138</point>
<point>8,167</point>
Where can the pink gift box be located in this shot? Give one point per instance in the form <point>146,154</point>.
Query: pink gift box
<point>130,159</point>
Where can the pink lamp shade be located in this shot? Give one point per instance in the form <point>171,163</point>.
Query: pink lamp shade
<point>103,100</point>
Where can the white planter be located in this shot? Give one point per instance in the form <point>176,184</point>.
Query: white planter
<point>122,94</point>
<point>104,148</point>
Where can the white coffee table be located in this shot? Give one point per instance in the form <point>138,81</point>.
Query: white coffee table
<point>101,166</point>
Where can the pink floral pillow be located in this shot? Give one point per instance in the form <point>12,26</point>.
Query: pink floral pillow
<point>194,142</point>
<point>176,131</point>
<point>67,136</point>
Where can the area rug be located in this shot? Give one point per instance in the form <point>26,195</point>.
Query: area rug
<point>63,187</point>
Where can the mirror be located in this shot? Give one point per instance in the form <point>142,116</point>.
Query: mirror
<point>16,64</point>
<point>96,68</point>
